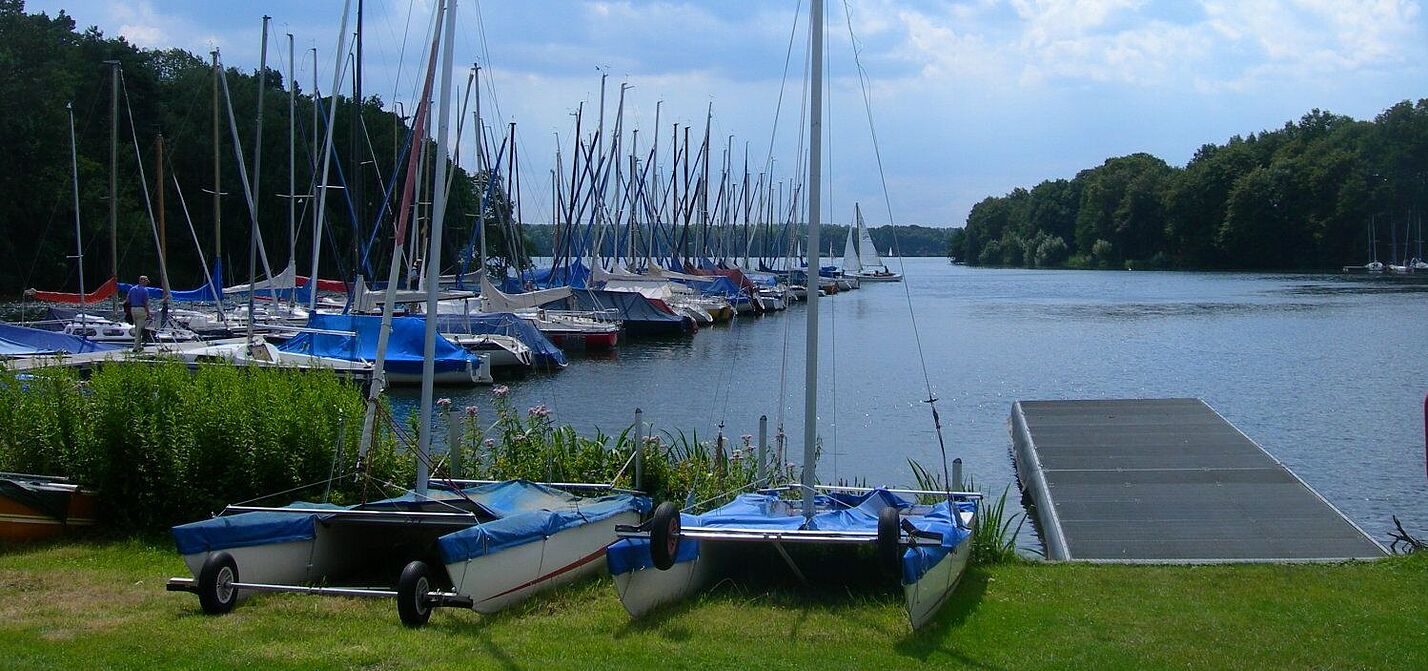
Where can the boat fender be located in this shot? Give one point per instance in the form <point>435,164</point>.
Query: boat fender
<point>664,535</point>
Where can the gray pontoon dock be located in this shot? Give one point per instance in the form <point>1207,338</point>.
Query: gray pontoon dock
<point>1168,481</point>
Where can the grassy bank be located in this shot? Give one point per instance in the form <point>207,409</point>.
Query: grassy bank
<point>102,605</point>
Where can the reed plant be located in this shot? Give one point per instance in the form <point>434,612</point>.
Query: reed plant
<point>994,536</point>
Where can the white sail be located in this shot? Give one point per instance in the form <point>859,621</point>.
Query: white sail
<point>493,300</point>
<point>868,251</point>
<point>851,265</point>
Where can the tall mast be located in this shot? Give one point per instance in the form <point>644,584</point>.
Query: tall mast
<point>403,215</point>
<point>78,233</point>
<point>292,161</point>
<point>163,233</point>
<point>355,182</point>
<point>815,162</point>
<point>257,177</point>
<point>481,164</point>
<point>433,254</point>
<point>113,178</point>
<point>217,179</point>
<point>327,150</point>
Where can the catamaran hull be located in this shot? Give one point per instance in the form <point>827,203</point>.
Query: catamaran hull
<point>496,581</point>
<point>926,596</point>
<point>647,589</point>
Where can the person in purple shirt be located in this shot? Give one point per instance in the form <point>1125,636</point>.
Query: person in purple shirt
<point>138,302</point>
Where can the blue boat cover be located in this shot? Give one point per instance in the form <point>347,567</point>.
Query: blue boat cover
<point>50,341</point>
<point>203,294</point>
<point>546,354</point>
<point>843,512</point>
<point>404,347</point>
<point>248,529</point>
<point>12,348</point>
<point>917,561</point>
<point>531,512</point>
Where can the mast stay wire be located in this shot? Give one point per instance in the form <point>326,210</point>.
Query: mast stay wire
<point>931,400</point>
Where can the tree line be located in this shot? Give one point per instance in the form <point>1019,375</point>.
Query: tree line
<point>1302,197</point>
<point>47,64</point>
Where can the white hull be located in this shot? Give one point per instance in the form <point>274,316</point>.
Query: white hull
<point>926,596</point>
<point>894,277</point>
<point>498,580</point>
<point>470,375</point>
<point>649,588</point>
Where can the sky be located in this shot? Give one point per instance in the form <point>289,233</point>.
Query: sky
<point>967,99</point>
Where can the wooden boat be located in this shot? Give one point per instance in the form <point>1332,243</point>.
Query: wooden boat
<point>37,506</point>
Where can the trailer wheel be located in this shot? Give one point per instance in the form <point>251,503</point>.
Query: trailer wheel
<point>413,605</point>
<point>889,532</point>
<point>216,593</point>
<point>664,535</point>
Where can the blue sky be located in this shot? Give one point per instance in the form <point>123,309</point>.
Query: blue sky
<point>970,98</point>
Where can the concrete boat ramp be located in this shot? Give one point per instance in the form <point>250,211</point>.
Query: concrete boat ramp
<point>1168,481</point>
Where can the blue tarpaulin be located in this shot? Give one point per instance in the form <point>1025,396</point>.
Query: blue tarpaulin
<point>203,294</point>
<point>531,512</point>
<point>50,341</point>
<point>404,347</point>
<point>248,529</point>
<point>917,561</point>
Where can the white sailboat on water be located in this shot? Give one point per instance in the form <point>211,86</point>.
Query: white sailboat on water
<point>872,268</point>
<point>676,554</point>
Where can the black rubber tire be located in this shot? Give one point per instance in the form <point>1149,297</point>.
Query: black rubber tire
<point>412,589</point>
<point>216,593</point>
<point>889,532</point>
<point>664,535</point>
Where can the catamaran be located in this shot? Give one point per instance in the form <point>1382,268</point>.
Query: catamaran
<point>482,547</point>
<point>676,553</point>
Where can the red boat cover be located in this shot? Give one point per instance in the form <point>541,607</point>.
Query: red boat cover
<point>98,296</point>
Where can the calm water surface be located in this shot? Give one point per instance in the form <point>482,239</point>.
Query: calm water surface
<point>1327,373</point>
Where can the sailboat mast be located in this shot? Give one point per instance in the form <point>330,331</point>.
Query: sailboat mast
<point>341,54</point>
<point>78,232</point>
<point>257,175</point>
<point>217,180</point>
<point>481,164</point>
<point>815,162</point>
<point>113,178</point>
<point>433,255</point>
<point>292,165</point>
<point>163,233</point>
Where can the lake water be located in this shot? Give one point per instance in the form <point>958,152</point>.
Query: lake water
<point>1327,373</point>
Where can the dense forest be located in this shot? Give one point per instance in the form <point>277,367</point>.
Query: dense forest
<point>46,64</point>
<point>1297,198</point>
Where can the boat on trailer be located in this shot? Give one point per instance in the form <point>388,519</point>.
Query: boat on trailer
<point>675,555</point>
<point>483,547</point>
<point>927,545</point>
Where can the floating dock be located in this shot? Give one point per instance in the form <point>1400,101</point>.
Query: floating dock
<point>1168,481</point>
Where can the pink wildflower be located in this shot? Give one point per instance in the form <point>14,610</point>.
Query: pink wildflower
<point>443,403</point>
<point>470,411</point>
<point>500,391</point>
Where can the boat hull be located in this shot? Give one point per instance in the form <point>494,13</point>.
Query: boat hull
<point>498,580</point>
<point>925,597</point>
<point>21,522</point>
<point>644,590</point>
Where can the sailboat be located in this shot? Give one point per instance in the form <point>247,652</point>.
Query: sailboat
<point>481,547</point>
<point>675,554</point>
<point>872,268</point>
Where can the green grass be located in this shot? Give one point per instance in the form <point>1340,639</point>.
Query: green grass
<point>102,605</point>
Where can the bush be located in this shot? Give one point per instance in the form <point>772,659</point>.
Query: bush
<point>161,445</point>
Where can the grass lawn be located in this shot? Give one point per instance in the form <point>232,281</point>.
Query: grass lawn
<point>102,605</point>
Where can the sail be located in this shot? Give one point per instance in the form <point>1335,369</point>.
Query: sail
<point>865,244</point>
<point>97,296</point>
<point>284,280</point>
<point>493,300</point>
<point>203,294</point>
<point>851,264</point>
